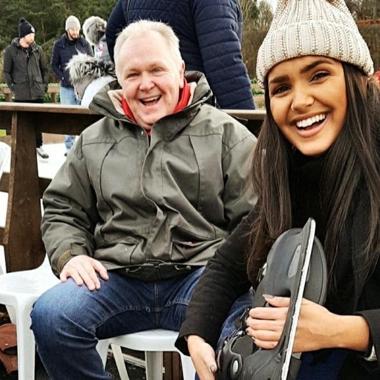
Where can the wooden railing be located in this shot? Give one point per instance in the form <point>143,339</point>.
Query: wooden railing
<point>53,91</point>
<point>21,236</point>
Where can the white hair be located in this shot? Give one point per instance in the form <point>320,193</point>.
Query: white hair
<point>140,28</point>
<point>82,66</point>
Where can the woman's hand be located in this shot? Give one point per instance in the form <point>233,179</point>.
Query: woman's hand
<point>203,357</point>
<point>84,270</point>
<point>317,327</point>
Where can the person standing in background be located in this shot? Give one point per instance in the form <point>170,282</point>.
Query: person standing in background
<point>26,72</point>
<point>210,35</point>
<point>69,44</point>
<point>94,30</point>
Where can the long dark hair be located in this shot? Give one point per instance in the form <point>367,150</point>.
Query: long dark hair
<point>352,158</point>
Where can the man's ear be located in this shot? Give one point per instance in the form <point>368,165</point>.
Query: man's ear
<point>182,75</point>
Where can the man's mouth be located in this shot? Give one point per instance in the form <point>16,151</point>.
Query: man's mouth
<point>149,101</point>
<point>311,122</point>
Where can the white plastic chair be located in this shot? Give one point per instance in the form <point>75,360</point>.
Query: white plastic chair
<point>19,290</point>
<point>153,343</point>
<point>5,154</point>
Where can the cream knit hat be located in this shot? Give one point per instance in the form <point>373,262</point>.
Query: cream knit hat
<point>72,22</point>
<point>312,27</point>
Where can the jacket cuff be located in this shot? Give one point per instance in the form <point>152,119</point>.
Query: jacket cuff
<point>62,260</point>
<point>372,317</point>
<point>75,250</point>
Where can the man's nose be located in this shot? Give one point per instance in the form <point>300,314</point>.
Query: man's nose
<point>146,82</point>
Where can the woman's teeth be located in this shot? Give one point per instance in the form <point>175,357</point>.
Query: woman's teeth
<point>310,121</point>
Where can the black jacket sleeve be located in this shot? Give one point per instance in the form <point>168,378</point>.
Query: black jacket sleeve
<point>44,67</point>
<point>56,61</point>
<point>115,24</point>
<point>224,280</point>
<point>8,67</point>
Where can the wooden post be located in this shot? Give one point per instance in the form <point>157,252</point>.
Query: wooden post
<point>23,245</point>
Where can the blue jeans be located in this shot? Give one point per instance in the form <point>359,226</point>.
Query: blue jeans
<point>68,319</point>
<point>67,96</point>
<point>319,365</point>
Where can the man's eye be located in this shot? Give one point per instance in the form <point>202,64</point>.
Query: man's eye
<point>131,75</point>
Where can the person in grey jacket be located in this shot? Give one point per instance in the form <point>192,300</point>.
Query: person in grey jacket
<point>26,72</point>
<point>210,34</point>
<point>142,202</point>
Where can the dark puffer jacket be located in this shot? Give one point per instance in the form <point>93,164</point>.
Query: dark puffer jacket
<point>63,50</point>
<point>25,71</point>
<point>210,34</point>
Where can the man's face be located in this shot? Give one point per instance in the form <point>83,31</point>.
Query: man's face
<point>73,33</point>
<point>29,39</point>
<point>150,76</point>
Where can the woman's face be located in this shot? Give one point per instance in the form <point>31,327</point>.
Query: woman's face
<point>308,102</point>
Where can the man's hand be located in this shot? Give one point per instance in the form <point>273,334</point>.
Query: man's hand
<point>203,357</point>
<point>84,270</point>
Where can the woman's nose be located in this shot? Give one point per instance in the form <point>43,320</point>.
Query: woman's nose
<point>302,99</point>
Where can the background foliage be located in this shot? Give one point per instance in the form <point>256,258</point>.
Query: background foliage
<point>48,17</point>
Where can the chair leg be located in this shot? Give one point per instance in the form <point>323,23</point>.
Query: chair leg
<point>119,360</point>
<point>188,370</point>
<point>25,344</point>
<point>154,363</point>
<point>102,348</point>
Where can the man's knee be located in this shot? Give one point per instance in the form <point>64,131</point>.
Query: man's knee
<point>53,309</point>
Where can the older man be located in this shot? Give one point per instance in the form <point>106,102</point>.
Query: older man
<point>142,202</point>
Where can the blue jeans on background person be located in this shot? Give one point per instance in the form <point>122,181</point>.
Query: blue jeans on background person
<point>68,319</point>
<point>67,96</point>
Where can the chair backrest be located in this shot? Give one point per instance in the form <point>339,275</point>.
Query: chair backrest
<point>5,155</point>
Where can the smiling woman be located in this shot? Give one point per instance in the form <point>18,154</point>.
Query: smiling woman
<point>316,157</point>
<point>308,102</point>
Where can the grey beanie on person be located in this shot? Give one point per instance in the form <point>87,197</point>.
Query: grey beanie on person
<point>72,22</point>
<point>25,28</point>
<point>94,29</point>
<point>312,27</point>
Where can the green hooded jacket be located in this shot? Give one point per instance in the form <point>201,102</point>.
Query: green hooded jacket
<point>127,199</point>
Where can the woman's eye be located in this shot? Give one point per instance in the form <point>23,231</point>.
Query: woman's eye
<point>319,75</point>
<point>280,90</point>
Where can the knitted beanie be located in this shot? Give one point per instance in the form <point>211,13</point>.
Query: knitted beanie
<point>24,28</point>
<point>72,22</point>
<point>94,28</point>
<point>312,27</point>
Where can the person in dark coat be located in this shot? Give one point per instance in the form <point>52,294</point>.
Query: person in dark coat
<point>69,44</point>
<point>322,131</point>
<point>26,72</point>
<point>210,36</point>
